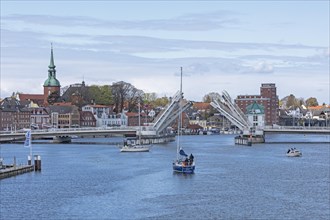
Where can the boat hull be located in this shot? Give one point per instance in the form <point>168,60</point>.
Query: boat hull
<point>296,154</point>
<point>179,168</point>
<point>135,149</point>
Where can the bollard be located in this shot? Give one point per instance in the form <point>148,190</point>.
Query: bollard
<point>37,163</point>
<point>29,160</point>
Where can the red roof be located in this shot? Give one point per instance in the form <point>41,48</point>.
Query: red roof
<point>24,97</point>
<point>315,107</point>
<point>201,105</point>
<point>131,114</point>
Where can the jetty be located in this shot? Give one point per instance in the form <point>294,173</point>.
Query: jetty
<point>14,170</point>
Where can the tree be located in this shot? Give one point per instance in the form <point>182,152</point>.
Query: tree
<point>125,92</point>
<point>311,102</point>
<point>292,102</point>
<point>53,97</point>
<point>149,98</point>
<point>163,101</point>
<point>134,97</point>
<point>106,95</point>
<point>101,95</point>
<point>211,96</point>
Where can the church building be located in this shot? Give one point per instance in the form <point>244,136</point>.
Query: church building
<point>51,86</point>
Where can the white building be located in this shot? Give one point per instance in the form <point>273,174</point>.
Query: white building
<point>105,117</point>
<point>256,115</point>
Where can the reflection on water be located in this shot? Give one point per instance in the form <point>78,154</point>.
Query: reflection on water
<point>81,181</point>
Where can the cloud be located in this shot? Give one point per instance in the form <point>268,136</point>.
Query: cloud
<point>189,22</point>
<point>263,67</point>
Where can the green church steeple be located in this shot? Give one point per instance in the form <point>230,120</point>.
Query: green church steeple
<point>51,81</point>
<point>51,64</point>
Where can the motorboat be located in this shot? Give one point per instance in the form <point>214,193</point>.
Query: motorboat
<point>293,152</point>
<point>135,148</point>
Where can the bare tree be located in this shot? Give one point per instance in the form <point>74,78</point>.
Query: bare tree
<point>125,94</point>
<point>211,96</point>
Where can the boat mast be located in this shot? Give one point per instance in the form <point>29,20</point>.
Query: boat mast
<point>139,124</point>
<point>180,119</point>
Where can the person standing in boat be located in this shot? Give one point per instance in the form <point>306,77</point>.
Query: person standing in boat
<point>191,159</point>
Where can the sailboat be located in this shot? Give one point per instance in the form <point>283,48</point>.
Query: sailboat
<point>182,163</point>
<point>135,146</point>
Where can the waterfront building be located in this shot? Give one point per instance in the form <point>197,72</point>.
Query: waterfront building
<point>200,122</point>
<point>40,117</point>
<point>87,119</point>
<point>78,94</point>
<point>14,115</point>
<point>112,120</point>
<point>256,115</point>
<point>104,116</point>
<point>268,99</point>
<point>97,110</point>
<point>64,115</point>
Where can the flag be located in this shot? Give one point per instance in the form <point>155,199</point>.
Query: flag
<point>27,142</point>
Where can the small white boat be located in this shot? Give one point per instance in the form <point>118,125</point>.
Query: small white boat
<point>133,145</point>
<point>293,152</point>
<point>135,148</point>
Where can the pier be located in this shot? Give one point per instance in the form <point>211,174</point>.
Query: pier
<point>14,170</point>
<point>11,170</point>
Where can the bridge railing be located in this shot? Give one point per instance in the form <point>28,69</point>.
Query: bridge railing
<point>313,128</point>
<point>69,129</point>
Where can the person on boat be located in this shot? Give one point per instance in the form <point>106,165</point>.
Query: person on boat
<point>191,158</point>
<point>186,160</point>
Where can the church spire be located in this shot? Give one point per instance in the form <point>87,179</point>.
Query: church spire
<point>51,64</point>
<point>52,81</point>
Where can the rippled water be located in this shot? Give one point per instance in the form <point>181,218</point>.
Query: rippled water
<point>96,181</point>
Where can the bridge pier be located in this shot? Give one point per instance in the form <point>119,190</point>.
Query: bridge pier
<point>155,139</point>
<point>249,140</point>
<point>61,139</point>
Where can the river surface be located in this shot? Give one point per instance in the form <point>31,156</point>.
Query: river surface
<point>96,181</point>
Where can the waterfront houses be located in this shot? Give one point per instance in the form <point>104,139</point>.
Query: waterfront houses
<point>256,115</point>
<point>87,119</point>
<point>14,115</point>
<point>40,117</point>
<point>64,115</point>
<point>105,117</point>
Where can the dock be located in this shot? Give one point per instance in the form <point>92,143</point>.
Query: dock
<point>11,170</point>
<point>14,169</point>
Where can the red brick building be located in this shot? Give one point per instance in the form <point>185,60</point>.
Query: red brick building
<point>268,99</point>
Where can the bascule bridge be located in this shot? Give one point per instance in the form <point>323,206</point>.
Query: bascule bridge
<point>227,107</point>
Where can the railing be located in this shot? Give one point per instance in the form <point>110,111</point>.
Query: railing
<point>50,130</point>
<point>313,128</point>
<point>297,129</point>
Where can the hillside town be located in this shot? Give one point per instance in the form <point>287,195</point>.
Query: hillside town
<point>75,106</point>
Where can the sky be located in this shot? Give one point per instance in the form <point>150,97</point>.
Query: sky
<point>221,45</point>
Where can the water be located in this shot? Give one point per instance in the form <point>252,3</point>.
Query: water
<point>96,181</point>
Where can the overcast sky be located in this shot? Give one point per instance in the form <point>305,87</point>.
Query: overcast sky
<point>221,45</point>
